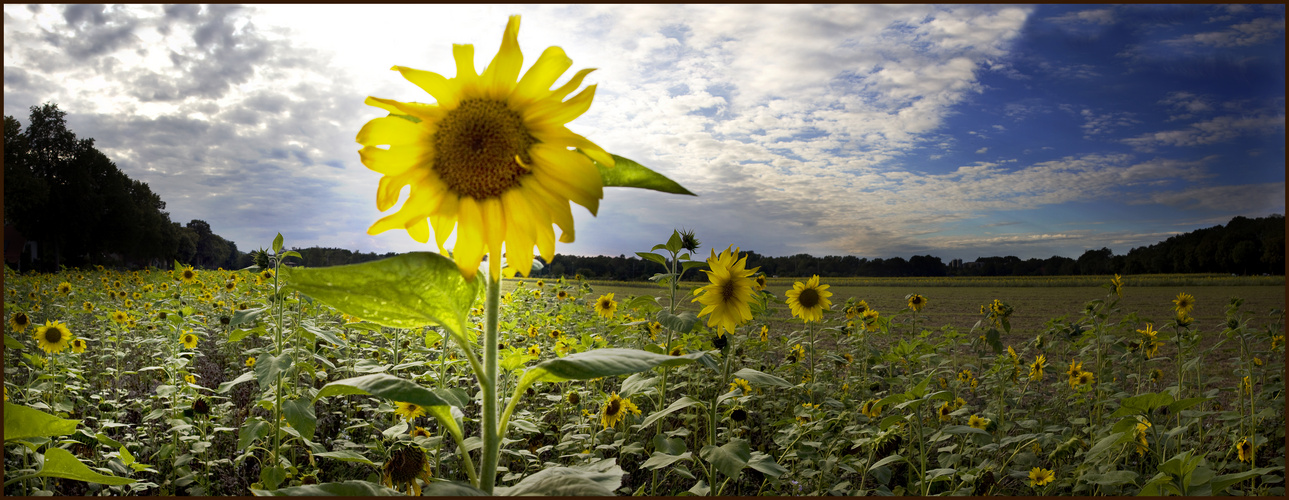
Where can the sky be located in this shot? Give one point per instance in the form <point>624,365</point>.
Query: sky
<point>959,131</point>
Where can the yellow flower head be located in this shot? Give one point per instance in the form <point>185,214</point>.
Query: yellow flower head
<point>79,345</point>
<point>944,412</point>
<point>190,379</point>
<point>189,340</point>
<point>1085,378</point>
<point>491,157</point>
<point>726,299</point>
<point>534,350</point>
<point>605,305</point>
<point>978,422</point>
<point>53,336</point>
<point>1076,367</point>
<point>739,383</point>
<point>870,319</point>
<point>561,295</point>
<point>1244,450</point>
<point>250,362</point>
<point>19,322</point>
<point>809,300</point>
<point>916,302</point>
<point>759,281</point>
<point>1116,285</point>
<point>409,411</point>
<point>1036,368</point>
<point>188,275</point>
<point>1039,476</point>
<point>796,353</point>
<point>765,333</point>
<point>615,408</point>
<point>1184,302</point>
<point>64,288</point>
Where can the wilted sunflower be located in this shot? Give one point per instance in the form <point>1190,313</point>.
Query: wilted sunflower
<point>79,345</point>
<point>916,302</point>
<point>189,340</point>
<point>406,464</point>
<point>418,431</point>
<point>1244,450</point>
<point>978,422</point>
<point>809,300</point>
<point>1184,302</point>
<point>725,300</point>
<point>19,322</point>
<point>53,336</point>
<point>605,305</point>
<point>1039,476</point>
<point>615,408</point>
<point>1116,285</point>
<point>409,411</point>
<point>492,157</point>
<point>1036,368</point>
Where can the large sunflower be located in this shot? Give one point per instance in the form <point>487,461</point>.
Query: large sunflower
<point>725,300</point>
<point>53,336</point>
<point>189,340</point>
<point>491,157</point>
<point>809,300</point>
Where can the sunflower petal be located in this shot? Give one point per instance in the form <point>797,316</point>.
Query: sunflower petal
<point>573,83</point>
<point>494,233</point>
<point>470,238</point>
<point>429,114</point>
<point>394,161</point>
<point>537,82</point>
<point>550,113</point>
<point>432,83</point>
<point>500,76</point>
<point>392,131</point>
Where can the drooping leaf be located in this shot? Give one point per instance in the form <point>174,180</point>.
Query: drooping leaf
<point>267,368</point>
<point>406,291</point>
<point>245,377</point>
<point>61,463</point>
<point>729,458</point>
<point>1221,483</point>
<point>595,479</point>
<point>766,465</point>
<point>683,402</point>
<point>628,173</point>
<point>683,322</point>
<point>451,489</point>
<point>343,489</point>
<point>21,422</point>
<point>245,316</point>
<point>385,386</point>
<point>659,459</point>
<point>601,363</point>
<point>299,413</point>
<point>757,377</point>
<point>344,456</point>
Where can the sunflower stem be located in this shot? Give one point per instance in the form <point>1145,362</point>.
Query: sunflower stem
<point>491,432</point>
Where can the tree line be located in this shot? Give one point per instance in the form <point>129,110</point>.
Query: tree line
<point>80,209</point>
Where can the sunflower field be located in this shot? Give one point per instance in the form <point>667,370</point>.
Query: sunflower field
<point>456,373</point>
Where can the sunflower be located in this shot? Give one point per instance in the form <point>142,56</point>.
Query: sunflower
<point>677,351</point>
<point>978,422</point>
<point>1150,340</point>
<point>1039,476</point>
<point>871,409</point>
<point>20,322</point>
<point>1011,353</point>
<point>408,411</point>
<point>944,412</point>
<point>870,319</point>
<point>1076,367</point>
<point>759,281</point>
<point>534,350</point>
<point>53,336</point>
<point>856,309</point>
<point>561,295</point>
<point>615,408</point>
<point>1142,426</point>
<point>809,300</point>
<point>1084,378</point>
<point>79,345</point>
<point>190,379</point>
<point>916,302</point>
<point>189,340</point>
<point>407,463</point>
<point>1116,285</point>
<point>250,362</point>
<point>266,274</point>
<point>1244,450</point>
<point>64,288</point>
<point>1184,302</point>
<point>188,275</point>
<point>726,299</point>
<point>492,157</point>
<point>420,431</point>
<point>87,306</point>
<point>739,383</point>
<point>605,305</point>
<point>796,353</point>
<point>1036,368</point>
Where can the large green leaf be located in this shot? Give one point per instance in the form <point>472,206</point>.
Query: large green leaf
<point>61,463</point>
<point>385,386</point>
<point>268,367</point>
<point>299,413</point>
<point>245,377</point>
<point>1224,481</point>
<point>729,458</point>
<point>11,343</point>
<point>756,377</point>
<point>406,291</point>
<point>345,489</point>
<point>594,479</point>
<point>683,402</point>
<point>451,489</point>
<point>766,465</point>
<point>21,422</point>
<point>602,363</point>
<point>345,456</point>
<point>628,173</point>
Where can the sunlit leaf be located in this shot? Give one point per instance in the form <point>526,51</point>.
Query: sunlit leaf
<point>729,458</point>
<point>61,463</point>
<point>628,173</point>
<point>21,422</point>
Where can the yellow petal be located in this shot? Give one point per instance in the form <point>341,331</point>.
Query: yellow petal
<point>429,114</point>
<point>392,131</point>
<point>470,245</point>
<point>387,191</point>
<point>547,112</point>
<point>418,230</point>
<point>557,208</point>
<point>494,234</point>
<point>444,218</point>
<point>537,82</point>
<point>394,161</point>
<point>573,83</point>
<point>464,56</point>
<point>432,83</point>
<point>500,76</point>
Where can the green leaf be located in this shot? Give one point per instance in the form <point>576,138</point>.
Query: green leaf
<point>245,377</point>
<point>683,322</point>
<point>21,422</point>
<point>61,463</point>
<point>683,402</point>
<point>327,336</point>
<point>107,441</point>
<point>299,413</point>
<point>277,244</point>
<point>627,173</point>
<point>344,489</point>
<point>595,479</point>
<point>252,430</point>
<point>756,377</point>
<point>659,459</point>
<point>670,446</point>
<point>383,385</point>
<point>1183,404</point>
<point>962,429</point>
<point>729,458</point>
<point>601,363</point>
<point>245,316</point>
<point>451,489</point>
<point>268,367</point>
<point>766,465</point>
<point>405,291</point>
<point>653,257</point>
<point>345,456</point>
<point>1224,481</point>
<point>11,343</point>
<point>888,460</point>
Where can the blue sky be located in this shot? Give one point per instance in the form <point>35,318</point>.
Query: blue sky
<point>877,131</point>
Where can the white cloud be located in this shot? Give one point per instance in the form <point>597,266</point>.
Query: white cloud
<point>1216,130</point>
<point>1263,198</point>
<point>1253,32</point>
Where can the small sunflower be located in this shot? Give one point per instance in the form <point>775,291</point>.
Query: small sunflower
<point>916,302</point>
<point>188,274</point>
<point>561,295</point>
<point>409,411</point>
<point>190,379</point>
<point>64,288</point>
<point>871,409</point>
<point>250,362</point>
<point>491,157</point>
<point>189,340</point>
<point>1184,302</point>
<point>1036,368</point>
<point>765,333</point>
<point>739,383</point>
<point>19,321</point>
<point>809,300</point>
<point>944,412</point>
<point>53,336</point>
<point>534,350</point>
<point>978,422</point>
<point>870,317</point>
<point>79,345</point>
<point>407,463</point>
<point>677,351</point>
<point>1084,378</point>
<point>418,431</point>
<point>796,353</point>
<point>1244,450</point>
<point>726,299</point>
<point>1116,285</point>
<point>605,305</point>
<point>87,306</point>
<point>615,408</point>
<point>1039,476</point>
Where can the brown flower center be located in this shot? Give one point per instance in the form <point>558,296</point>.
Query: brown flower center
<point>809,298</point>
<point>53,335</point>
<point>476,147</point>
<point>614,407</point>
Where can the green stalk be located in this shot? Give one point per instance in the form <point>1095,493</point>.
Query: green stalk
<point>491,437</point>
